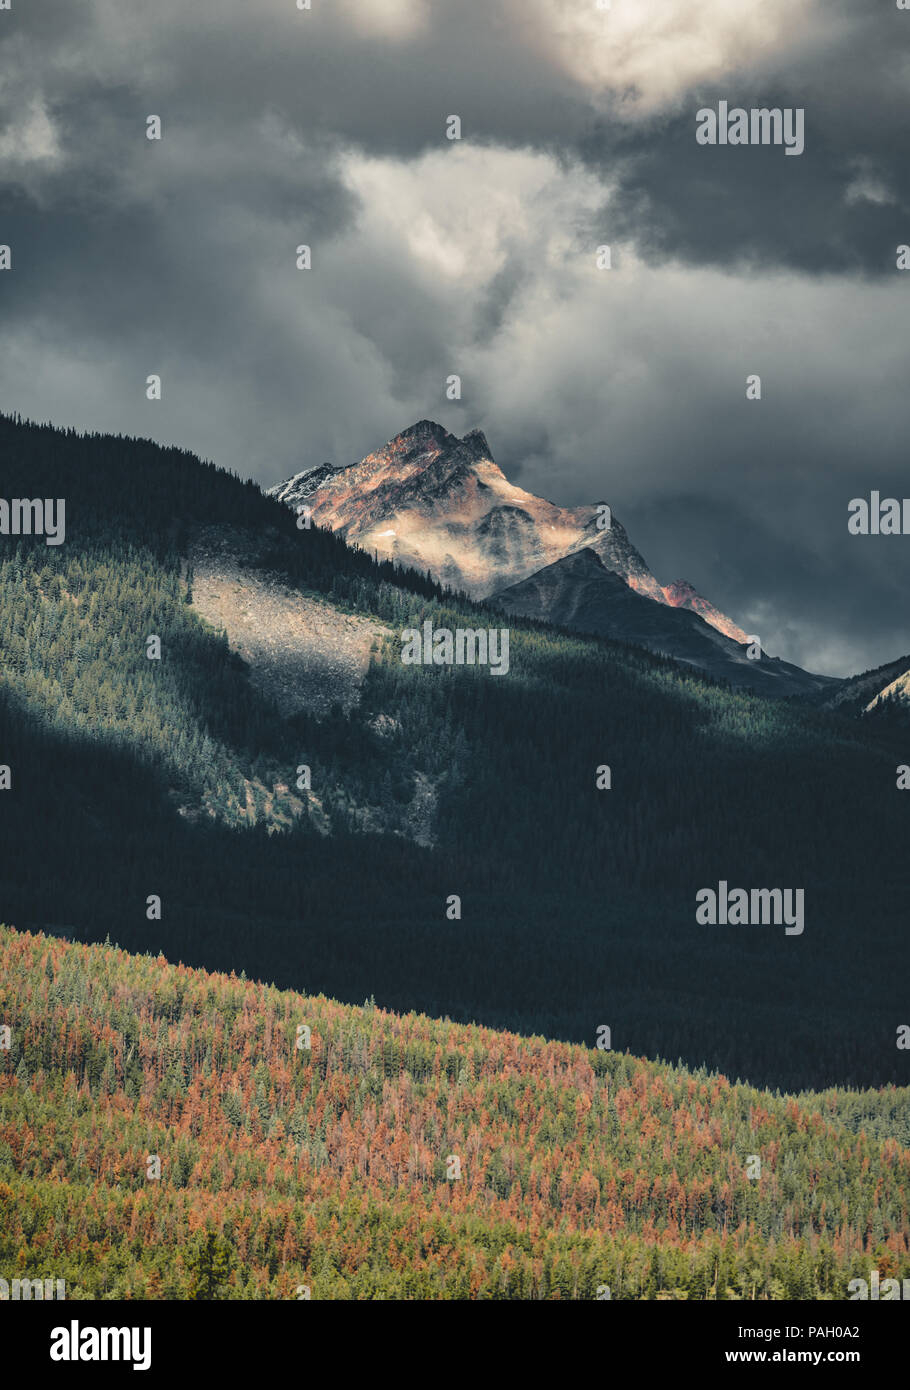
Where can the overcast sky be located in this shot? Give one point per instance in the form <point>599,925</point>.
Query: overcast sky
<point>477,257</point>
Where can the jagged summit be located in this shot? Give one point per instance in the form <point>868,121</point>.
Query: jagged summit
<point>435,502</point>
<point>476,441</point>
<point>432,501</point>
<point>422,430</point>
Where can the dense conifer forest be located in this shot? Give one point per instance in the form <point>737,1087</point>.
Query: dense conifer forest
<point>174,778</point>
<point>162,1135</point>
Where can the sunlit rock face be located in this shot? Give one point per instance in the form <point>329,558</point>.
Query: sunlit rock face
<point>681,594</point>
<point>896,693</point>
<point>436,502</point>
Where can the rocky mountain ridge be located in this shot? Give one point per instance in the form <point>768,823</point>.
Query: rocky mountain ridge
<point>430,500</point>
<point>579,592</point>
<point>439,504</point>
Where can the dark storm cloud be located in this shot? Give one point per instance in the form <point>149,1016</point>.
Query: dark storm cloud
<point>217,70</point>
<point>133,257</point>
<point>755,206</point>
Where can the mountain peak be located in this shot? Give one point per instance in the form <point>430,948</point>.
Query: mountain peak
<point>475,441</point>
<point>581,591</point>
<point>421,430</point>
<point>580,560</point>
<point>439,503</point>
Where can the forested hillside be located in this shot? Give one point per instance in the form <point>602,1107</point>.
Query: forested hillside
<point>327,1171</point>
<point>175,779</point>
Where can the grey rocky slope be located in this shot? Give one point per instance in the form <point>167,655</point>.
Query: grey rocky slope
<point>580,592</point>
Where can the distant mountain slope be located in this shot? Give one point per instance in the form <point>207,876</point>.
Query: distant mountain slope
<point>580,592</point>
<point>405,1157</point>
<point>435,502</point>
<point>179,778</point>
<point>856,694</point>
<point>895,693</point>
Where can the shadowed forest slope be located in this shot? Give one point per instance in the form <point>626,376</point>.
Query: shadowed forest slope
<point>179,779</point>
